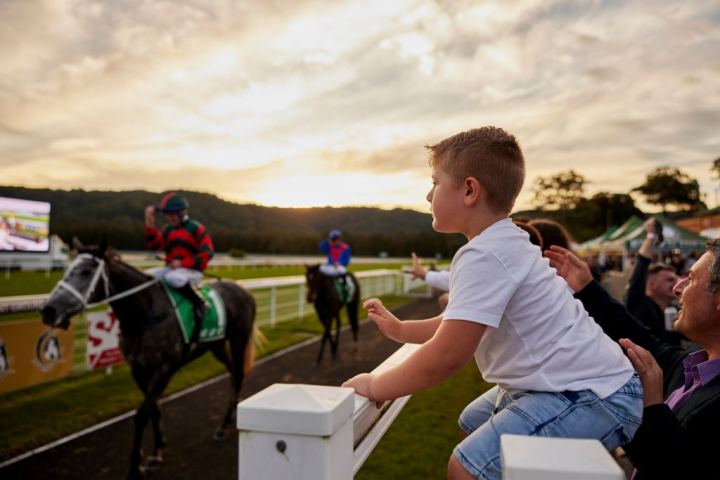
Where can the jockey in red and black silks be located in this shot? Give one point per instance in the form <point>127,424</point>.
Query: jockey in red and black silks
<point>188,249</point>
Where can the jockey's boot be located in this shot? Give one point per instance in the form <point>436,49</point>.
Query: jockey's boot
<point>200,308</point>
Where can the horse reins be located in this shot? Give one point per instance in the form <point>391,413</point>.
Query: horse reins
<point>99,273</point>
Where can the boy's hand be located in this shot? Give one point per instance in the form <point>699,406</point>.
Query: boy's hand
<point>418,271</point>
<point>361,383</point>
<point>651,375</point>
<point>388,323</point>
<point>575,272</point>
<point>175,263</point>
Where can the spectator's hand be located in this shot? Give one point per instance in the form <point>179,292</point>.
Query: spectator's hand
<point>150,216</point>
<point>651,376</point>
<point>175,263</point>
<point>575,272</point>
<point>418,271</point>
<point>361,383</point>
<point>388,323</point>
<point>650,225</point>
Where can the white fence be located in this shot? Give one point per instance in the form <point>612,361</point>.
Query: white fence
<point>279,299</point>
<point>313,432</point>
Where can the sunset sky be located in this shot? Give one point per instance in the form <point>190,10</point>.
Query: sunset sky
<point>305,103</point>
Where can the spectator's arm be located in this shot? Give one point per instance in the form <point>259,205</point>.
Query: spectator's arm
<point>617,323</point>
<point>439,279</point>
<point>635,291</point>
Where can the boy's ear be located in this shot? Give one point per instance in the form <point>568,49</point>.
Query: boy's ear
<point>473,191</point>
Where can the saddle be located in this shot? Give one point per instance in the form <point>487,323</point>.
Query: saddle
<point>213,322</point>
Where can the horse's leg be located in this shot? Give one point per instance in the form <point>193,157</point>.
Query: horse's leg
<point>220,352</point>
<point>336,343</point>
<point>154,460</point>
<point>327,325</point>
<point>153,389</point>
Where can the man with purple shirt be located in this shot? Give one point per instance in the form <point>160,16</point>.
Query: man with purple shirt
<point>681,420</point>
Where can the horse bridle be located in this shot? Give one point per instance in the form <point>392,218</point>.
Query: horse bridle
<point>100,273</point>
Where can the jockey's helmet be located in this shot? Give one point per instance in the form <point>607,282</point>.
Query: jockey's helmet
<point>172,202</point>
<point>334,234</point>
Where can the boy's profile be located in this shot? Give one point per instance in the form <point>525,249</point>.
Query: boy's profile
<point>557,374</point>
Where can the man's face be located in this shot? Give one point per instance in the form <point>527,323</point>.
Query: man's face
<point>173,218</point>
<point>699,306</point>
<point>446,202</point>
<point>661,285</point>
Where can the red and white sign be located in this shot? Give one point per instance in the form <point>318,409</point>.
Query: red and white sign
<point>103,340</point>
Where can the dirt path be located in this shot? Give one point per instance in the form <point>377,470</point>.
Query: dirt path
<point>191,420</point>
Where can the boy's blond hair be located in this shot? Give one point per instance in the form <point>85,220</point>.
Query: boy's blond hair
<point>489,154</point>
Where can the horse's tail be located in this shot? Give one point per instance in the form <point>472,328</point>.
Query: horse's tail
<point>256,341</point>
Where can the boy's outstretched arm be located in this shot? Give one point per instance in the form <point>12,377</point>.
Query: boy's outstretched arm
<point>407,331</point>
<point>452,346</point>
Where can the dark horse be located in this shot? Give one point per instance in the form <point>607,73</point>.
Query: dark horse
<point>152,341</point>
<point>322,293</point>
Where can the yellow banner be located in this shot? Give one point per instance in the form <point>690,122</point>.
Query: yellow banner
<point>32,353</point>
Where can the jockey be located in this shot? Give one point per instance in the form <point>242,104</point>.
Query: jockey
<point>338,255</point>
<point>188,249</point>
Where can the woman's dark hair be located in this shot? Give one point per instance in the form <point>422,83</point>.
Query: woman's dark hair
<point>552,233</point>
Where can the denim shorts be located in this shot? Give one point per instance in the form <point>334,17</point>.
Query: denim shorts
<point>612,420</point>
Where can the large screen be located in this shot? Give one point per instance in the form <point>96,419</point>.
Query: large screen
<point>24,225</point>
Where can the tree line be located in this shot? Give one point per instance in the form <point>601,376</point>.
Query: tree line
<point>562,197</point>
<point>118,217</point>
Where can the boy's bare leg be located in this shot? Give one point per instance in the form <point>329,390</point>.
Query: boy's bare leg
<point>456,471</point>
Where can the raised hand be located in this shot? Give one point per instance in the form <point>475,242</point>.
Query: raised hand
<point>575,272</point>
<point>651,376</point>
<point>388,323</point>
<point>418,271</point>
<point>150,216</point>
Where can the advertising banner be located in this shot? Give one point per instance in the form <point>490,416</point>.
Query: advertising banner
<point>103,340</point>
<point>32,353</point>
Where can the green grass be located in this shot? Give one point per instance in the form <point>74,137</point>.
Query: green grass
<point>82,400</point>
<point>420,441</point>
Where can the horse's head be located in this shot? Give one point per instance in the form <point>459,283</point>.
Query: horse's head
<point>85,281</point>
<point>313,277</point>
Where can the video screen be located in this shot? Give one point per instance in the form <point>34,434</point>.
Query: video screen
<point>24,225</point>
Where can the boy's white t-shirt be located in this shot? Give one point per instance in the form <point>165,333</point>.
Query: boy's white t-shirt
<point>538,336</point>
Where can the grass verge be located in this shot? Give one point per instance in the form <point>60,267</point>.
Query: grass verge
<point>420,441</point>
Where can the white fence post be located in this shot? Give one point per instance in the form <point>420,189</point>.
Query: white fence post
<point>297,432</point>
<point>301,301</point>
<point>273,301</point>
<point>310,432</point>
<point>544,458</point>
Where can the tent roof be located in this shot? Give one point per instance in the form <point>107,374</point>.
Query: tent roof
<point>631,234</point>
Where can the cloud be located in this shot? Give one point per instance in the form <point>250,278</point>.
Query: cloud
<point>611,89</point>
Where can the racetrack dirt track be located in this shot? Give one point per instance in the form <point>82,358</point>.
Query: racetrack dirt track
<point>191,420</point>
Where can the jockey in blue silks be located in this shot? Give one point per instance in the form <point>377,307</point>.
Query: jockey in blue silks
<point>338,254</point>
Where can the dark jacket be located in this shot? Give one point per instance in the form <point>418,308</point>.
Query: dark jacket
<point>668,444</point>
<point>643,307</point>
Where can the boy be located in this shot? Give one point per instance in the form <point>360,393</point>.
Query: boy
<point>557,374</point>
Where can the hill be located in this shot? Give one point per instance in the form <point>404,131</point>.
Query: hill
<point>118,216</point>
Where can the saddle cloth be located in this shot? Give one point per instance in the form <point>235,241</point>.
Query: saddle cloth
<point>214,321</point>
<point>345,289</point>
